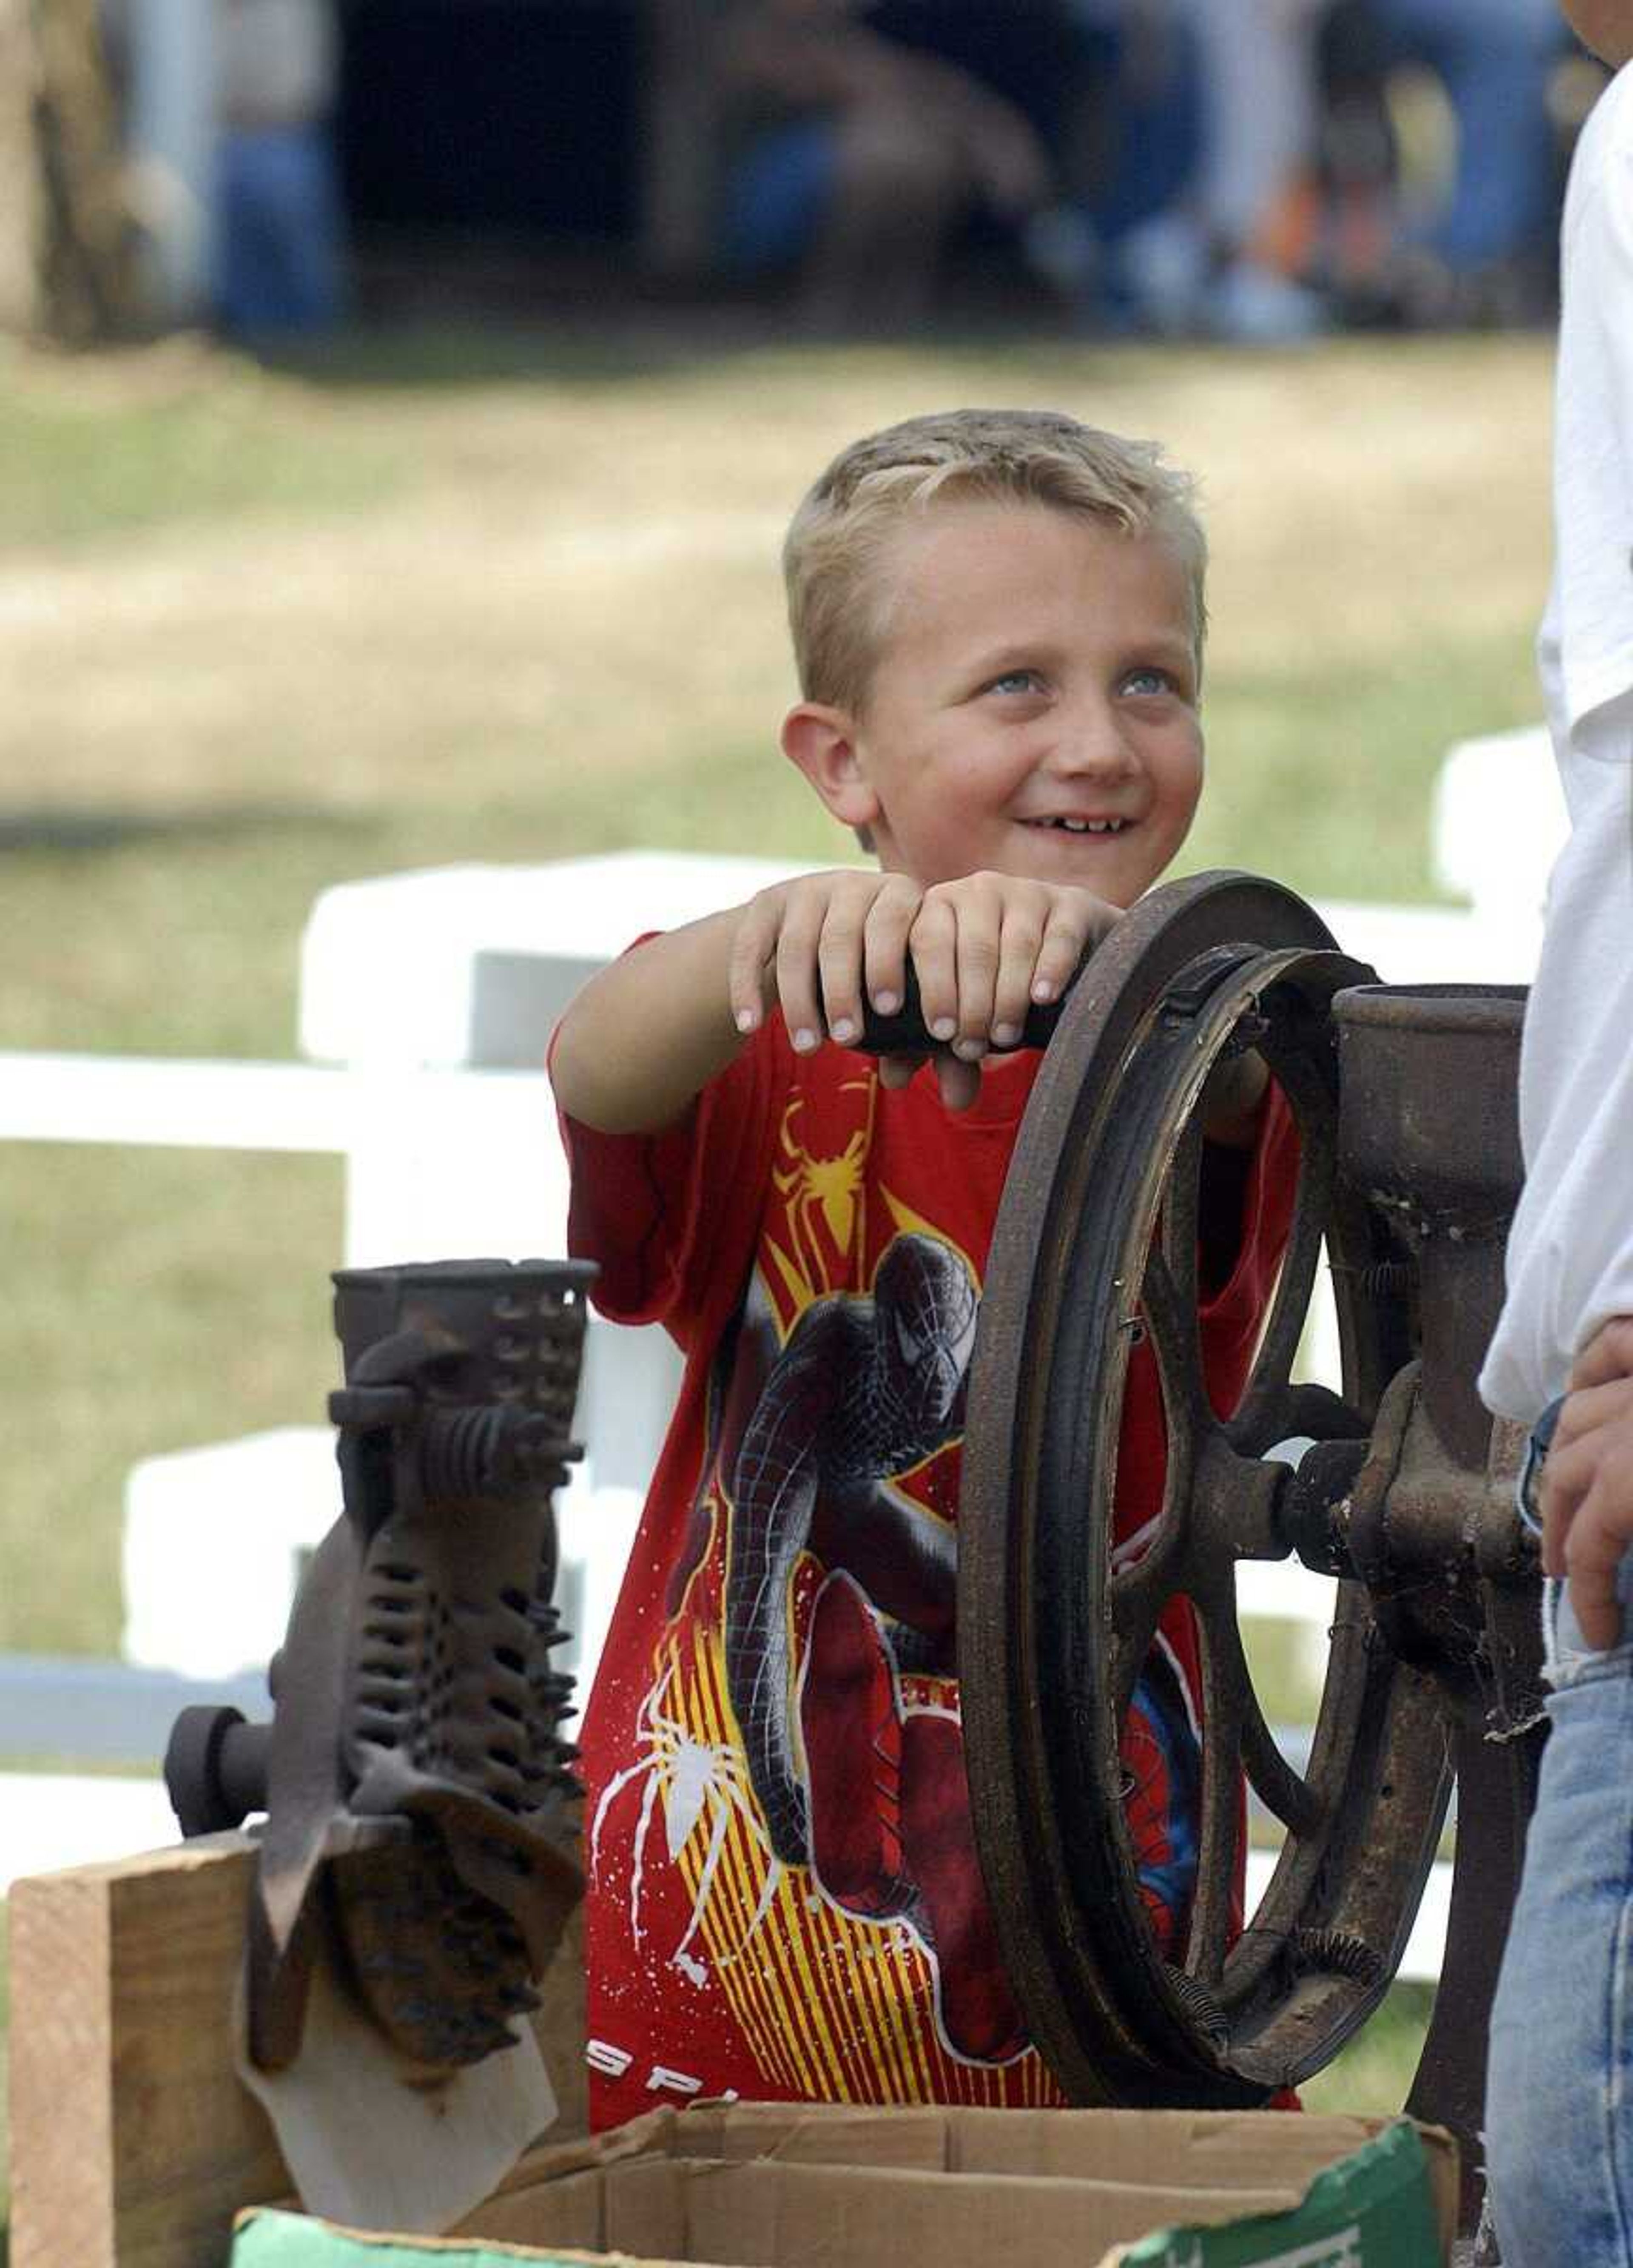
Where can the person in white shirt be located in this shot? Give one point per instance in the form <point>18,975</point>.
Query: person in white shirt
<point>1560,2089</point>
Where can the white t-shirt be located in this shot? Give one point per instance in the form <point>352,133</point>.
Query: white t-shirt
<point>1570,1254</point>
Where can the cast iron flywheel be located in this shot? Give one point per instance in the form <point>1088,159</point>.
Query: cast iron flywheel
<point>1096,1246</point>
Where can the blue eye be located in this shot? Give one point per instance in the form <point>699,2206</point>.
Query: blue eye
<point>1146,682</point>
<point>1016,681</point>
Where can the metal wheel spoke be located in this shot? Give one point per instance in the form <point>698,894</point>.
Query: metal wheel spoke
<point>1256,1421</point>
<point>1327,1780</point>
<point>1137,1598</point>
<point>1224,1684</point>
<point>1170,1317</point>
<point>1282,1790</point>
<point>1181,1219</point>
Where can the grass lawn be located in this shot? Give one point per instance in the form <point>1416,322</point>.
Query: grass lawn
<point>448,597</point>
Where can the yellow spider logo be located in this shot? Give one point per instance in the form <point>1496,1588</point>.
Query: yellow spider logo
<point>821,1190</point>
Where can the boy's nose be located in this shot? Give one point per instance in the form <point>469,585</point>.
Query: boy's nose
<point>1091,743</point>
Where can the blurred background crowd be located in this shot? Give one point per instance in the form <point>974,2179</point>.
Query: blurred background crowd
<point>1253,170</point>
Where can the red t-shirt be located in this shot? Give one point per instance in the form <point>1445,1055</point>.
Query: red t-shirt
<point>784,1897</point>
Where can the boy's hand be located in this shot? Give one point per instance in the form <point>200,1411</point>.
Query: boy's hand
<point>985,948</point>
<point>1587,1483</point>
<point>812,945</point>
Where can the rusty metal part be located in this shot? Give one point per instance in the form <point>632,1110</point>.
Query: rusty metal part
<point>1430,1134</point>
<point>415,1768</point>
<point>1428,1665</point>
<point>1431,1139</point>
<point>216,1768</point>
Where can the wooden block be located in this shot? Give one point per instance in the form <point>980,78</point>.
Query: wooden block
<point>133,2144</point>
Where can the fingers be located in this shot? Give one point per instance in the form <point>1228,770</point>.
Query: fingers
<point>836,1008</point>
<point>990,946</point>
<point>1593,1439</point>
<point>1023,943</point>
<point>985,949</point>
<point>954,944</point>
<point>798,988</point>
<point>812,944</point>
<point>1587,1503</point>
<point>885,945</point>
<point>1597,1543</point>
<point>1567,1478</point>
<point>960,1082</point>
<point>752,956</point>
<point>1587,1410</point>
<point>1076,923</point>
<point>823,955</point>
<point>1608,1356</point>
<point>1559,1510</point>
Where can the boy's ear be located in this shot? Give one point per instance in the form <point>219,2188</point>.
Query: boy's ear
<point>823,742</point>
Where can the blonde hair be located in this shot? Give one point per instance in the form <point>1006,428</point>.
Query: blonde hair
<point>1001,456</point>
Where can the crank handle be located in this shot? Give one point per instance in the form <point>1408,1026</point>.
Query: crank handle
<point>906,1033</point>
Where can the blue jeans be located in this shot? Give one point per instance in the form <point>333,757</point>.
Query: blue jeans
<point>1153,155</point>
<point>1559,2100</point>
<point>279,262</point>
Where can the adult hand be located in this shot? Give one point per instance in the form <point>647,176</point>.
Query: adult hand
<point>1587,1483</point>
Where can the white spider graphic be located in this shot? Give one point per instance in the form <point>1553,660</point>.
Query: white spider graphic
<point>691,1778</point>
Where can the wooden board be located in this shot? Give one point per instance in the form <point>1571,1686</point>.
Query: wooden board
<point>132,2142</point>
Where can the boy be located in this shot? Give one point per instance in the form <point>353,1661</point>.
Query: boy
<point>997,618</point>
<point>1560,2112</point>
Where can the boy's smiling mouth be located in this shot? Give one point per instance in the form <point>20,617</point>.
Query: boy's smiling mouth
<point>1082,825</point>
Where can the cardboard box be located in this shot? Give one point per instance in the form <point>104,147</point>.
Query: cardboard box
<point>776,2185</point>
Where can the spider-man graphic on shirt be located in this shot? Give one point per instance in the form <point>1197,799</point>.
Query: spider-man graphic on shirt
<point>785,1898</point>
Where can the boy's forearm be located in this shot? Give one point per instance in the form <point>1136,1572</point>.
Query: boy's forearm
<point>644,1037</point>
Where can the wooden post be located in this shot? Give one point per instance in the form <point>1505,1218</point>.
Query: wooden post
<point>133,2143</point>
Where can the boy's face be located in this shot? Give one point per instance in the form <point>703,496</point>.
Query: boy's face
<point>1033,709</point>
<point>1605,25</point>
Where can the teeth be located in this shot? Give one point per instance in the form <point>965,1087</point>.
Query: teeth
<point>1089,826</point>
